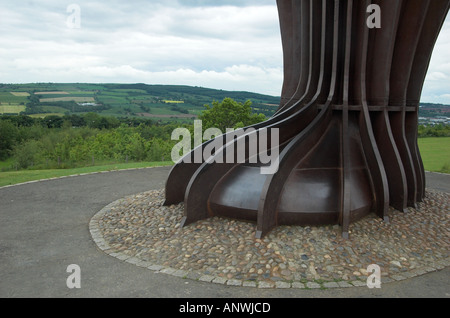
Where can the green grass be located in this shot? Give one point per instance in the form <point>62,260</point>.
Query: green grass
<point>15,177</point>
<point>8,163</point>
<point>435,154</point>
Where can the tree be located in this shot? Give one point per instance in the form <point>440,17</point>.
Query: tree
<point>8,137</point>
<point>229,114</point>
<point>28,154</point>
<point>53,121</point>
<point>92,120</point>
<point>75,120</point>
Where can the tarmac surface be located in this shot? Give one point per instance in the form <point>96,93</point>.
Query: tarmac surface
<point>44,228</point>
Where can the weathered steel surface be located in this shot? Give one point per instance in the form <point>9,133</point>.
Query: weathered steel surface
<point>347,121</point>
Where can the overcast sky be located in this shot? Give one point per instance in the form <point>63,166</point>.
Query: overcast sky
<point>226,44</point>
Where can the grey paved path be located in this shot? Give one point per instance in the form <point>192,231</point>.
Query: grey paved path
<point>44,227</point>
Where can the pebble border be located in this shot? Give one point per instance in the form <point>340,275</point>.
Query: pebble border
<point>185,274</point>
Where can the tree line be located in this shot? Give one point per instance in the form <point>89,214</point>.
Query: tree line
<point>86,139</point>
<point>440,130</point>
<point>80,140</point>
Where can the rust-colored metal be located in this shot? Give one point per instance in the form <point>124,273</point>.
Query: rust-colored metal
<point>347,121</point>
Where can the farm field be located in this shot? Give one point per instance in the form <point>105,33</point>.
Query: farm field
<point>11,109</point>
<point>67,99</point>
<point>52,93</point>
<point>20,94</point>
<point>8,97</point>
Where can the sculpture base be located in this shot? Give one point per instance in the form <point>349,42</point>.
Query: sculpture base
<point>224,250</point>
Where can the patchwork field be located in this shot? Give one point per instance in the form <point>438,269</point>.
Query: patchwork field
<point>11,109</point>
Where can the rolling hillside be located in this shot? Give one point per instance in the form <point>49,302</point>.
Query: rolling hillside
<point>133,100</point>
<point>163,102</point>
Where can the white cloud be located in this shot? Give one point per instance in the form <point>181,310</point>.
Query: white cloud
<point>436,88</point>
<point>152,42</point>
<point>436,76</point>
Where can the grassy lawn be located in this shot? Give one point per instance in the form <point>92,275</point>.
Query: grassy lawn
<point>435,154</point>
<point>7,163</point>
<point>15,177</point>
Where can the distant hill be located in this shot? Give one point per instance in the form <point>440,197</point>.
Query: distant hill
<point>136,100</point>
<point>165,102</point>
<point>434,110</point>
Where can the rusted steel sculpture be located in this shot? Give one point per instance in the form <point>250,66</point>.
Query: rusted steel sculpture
<point>347,121</point>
